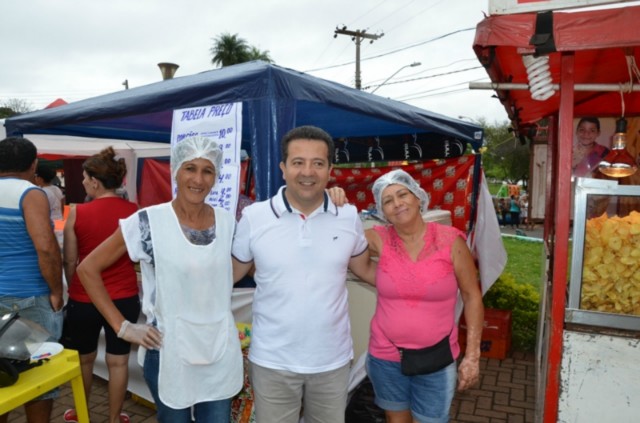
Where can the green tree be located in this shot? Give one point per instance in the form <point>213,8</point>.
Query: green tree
<point>230,49</point>
<point>14,106</point>
<point>6,112</point>
<point>506,158</point>
<point>256,54</point>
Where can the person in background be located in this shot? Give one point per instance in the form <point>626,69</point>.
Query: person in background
<point>587,153</point>
<point>524,211</point>
<point>422,267</point>
<point>301,244</point>
<point>514,212</point>
<point>193,365</point>
<point>44,177</point>
<point>504,210</point>
<point>87,226</point>
<point>30,259</point>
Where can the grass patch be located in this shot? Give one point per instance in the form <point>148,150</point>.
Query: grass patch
<point>518,290</point>
<point>524,260</point>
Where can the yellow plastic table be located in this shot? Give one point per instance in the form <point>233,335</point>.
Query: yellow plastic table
<point>60,369</point>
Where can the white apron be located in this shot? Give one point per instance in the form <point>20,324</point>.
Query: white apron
<point>200,358</point>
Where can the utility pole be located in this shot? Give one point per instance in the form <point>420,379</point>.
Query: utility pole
<point>357,36</point>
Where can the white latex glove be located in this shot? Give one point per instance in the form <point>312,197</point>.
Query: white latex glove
<point>143,334</point>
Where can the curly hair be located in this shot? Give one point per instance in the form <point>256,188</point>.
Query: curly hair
<point>107,168</point>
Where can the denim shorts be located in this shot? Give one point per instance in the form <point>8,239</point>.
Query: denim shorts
<point>38,310</point>
<point>427,396</point>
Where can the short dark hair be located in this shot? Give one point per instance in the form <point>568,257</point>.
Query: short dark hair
<point>310,133</point>
<point>16,154</point>
<point>590,119</point>
<point>47,173</point>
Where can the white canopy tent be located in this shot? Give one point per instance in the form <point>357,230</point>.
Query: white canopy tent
<point>79,147</point>
<point>64,146</point>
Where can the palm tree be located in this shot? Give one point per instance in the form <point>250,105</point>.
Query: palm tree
<point>231,49</point>
<point>256,54</point>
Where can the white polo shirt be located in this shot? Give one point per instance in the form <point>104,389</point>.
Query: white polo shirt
<point>300,309</point>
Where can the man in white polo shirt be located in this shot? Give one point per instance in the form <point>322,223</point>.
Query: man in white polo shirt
<point>301,244</point>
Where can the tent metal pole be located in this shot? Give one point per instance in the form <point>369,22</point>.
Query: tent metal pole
<point>577,87</point>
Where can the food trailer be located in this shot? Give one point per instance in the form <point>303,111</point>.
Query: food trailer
<point>562,65</point>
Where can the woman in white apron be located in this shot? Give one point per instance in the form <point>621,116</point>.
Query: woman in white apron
<point>193,365</point>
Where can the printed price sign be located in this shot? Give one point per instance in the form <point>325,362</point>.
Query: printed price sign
<point>223,124</point>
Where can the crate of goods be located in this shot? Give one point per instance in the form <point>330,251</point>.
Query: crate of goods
<point>496,334</point>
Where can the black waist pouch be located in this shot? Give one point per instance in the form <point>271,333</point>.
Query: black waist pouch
<point>426,360</point>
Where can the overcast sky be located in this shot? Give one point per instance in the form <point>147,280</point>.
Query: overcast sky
<point>75,49</point>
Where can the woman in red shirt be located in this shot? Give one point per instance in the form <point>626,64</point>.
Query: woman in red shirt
<point>87,226</point>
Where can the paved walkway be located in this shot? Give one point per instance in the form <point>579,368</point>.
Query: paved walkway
<point>506,394</point>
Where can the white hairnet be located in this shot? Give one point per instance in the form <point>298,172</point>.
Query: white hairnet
<point>399,177</point>
<point>195,148</point>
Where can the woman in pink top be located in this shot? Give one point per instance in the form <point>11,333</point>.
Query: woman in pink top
<point>422,267</point>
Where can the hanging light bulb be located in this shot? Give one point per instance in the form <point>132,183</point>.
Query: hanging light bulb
<point>618,163</point>
<point>539,75</point>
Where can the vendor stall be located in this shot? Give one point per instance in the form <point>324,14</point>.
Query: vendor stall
<point>274,100</point>
<point>561,65</point>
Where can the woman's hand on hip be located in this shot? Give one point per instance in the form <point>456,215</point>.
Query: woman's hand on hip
<point>146,335</point>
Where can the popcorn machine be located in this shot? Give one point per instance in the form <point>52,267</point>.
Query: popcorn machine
<point>599,362</point>
<point>605,268</point>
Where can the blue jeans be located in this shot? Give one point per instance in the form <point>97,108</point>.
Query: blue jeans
<point>203,412</point>
<point>427,396</point>
<point>38,310</point>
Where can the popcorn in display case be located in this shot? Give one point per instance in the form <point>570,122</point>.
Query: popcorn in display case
<point>604,289</point>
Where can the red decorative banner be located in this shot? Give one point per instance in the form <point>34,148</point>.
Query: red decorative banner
<point>448,183</point>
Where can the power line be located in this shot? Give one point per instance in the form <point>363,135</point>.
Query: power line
<point>393,13</point>
<point>393,51</point>
<point>367,12</point>
<point>416,15</point>
<point>415,95</point>
<point>357,36</point>
<point>428,77</point>
<point>436,94</point>
<point>430,69</point>
<point>353,22</point>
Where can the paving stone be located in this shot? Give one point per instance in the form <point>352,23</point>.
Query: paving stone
<point>506,394</point>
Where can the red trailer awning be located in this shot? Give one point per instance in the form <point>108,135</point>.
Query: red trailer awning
<point>600,41</point>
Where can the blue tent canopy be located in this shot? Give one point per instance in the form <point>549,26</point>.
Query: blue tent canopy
<point>275,99</point>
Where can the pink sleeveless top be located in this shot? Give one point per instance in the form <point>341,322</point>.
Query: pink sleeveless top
<point>415,305</point>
